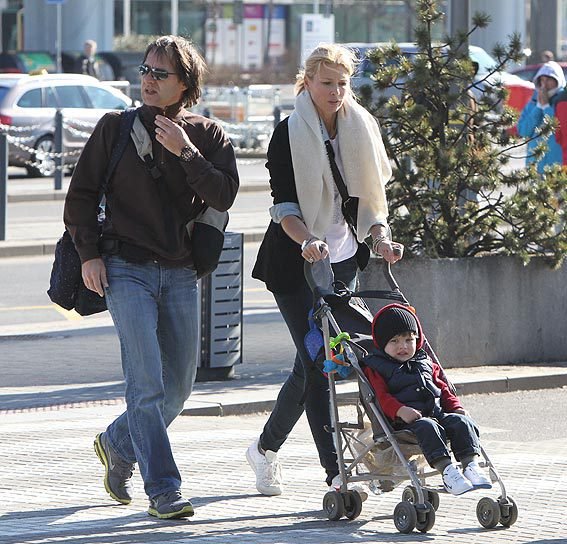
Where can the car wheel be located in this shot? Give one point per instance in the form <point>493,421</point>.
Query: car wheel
<point>44,164</point>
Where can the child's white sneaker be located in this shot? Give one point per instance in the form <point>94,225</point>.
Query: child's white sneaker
<point>454,481</point>
<point>476,476</point>
<point>267,468</point>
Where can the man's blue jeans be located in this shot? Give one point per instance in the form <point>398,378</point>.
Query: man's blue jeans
<point>154,309</point>
<point>288,409</point>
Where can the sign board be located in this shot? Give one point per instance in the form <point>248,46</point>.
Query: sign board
<point>315,29</point>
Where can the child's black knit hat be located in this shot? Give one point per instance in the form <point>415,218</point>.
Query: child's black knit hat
<point>391,321</point>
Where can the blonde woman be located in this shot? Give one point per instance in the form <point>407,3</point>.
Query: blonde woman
<point>308,224</point>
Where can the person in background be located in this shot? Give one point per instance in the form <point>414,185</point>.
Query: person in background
<point>547,55</point>
<point>549,82</point>
<point>143,264</point>
<point>87,63</point>
<point>308,225</point>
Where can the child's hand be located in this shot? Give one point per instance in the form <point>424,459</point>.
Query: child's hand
<point>461,411</point>
<point>543,96</point>
<point>408,415</point>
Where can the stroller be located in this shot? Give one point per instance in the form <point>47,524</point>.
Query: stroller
<point>370,450</point>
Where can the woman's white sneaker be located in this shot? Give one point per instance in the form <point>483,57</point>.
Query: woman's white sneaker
<point>267,468</point>
<point>476,476</point>
<point>454,481</point>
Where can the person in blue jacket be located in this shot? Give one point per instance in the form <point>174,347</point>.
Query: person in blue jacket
<point>549,81</point>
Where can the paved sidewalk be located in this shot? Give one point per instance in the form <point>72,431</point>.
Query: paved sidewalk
<point>51,489</point>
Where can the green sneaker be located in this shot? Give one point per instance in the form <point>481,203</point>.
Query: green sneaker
<point>118,473</point>
<point>170,505</point>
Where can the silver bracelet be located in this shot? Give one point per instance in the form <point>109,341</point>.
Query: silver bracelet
<point>376,243</point>
<point>307,241</point>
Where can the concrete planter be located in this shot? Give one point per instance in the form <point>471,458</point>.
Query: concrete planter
<point>484,310</point>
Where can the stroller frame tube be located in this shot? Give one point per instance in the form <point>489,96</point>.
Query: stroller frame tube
<point>326,316</point>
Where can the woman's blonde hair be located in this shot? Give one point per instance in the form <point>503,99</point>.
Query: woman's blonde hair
<point>327,54</point>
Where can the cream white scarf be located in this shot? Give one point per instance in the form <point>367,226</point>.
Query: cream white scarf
<point>366,166</point>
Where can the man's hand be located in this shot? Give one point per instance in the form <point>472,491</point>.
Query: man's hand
<point>94,275</point>
<point>408,414</point>
<point>171,135</point>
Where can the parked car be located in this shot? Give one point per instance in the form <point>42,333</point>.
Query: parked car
<point>485,63</point>
<point>529,71</point>
<point>27,111</point>
<point>25,62</point>
<point>125,66</point>
<point>70,65</point>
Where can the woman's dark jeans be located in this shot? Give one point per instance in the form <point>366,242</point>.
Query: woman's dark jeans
<point>295,309</point>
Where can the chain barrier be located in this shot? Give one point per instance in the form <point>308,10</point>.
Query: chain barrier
<point>10,128</point>
<point>247,139</point>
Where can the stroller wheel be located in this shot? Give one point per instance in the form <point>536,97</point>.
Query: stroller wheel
<point>334,505</point>
<point>488,512</point>
<point>425,518</point>
<point>410,494</point>
<point>353,504</point>
<point>508,511</point>
<point>405,517</point>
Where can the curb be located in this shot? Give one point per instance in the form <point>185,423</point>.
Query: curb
<point>498,385</point>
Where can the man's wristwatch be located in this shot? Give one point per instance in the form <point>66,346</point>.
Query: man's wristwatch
<point>187,153</point>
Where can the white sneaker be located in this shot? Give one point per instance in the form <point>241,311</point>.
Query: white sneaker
<point>353,486</point>
<point>476,476</point>
<point>454,481</point>
<point>267,468</point>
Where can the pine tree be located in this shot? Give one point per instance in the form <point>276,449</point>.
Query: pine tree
<point>452,194</point>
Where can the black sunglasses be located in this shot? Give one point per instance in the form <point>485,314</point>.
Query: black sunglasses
<point>157,73</point>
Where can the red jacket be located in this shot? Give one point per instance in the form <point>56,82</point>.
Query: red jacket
<point>390,404</point>
<point>561,130</point>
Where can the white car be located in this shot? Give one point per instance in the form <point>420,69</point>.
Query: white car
<point>27,114</point>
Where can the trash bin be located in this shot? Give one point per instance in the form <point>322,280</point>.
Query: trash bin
<point>221,313</point>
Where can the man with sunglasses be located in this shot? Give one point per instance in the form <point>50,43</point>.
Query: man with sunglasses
<point>143,262</point>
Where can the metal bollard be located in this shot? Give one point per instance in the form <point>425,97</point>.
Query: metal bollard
<point>3,183</point>
<point>58,143</point>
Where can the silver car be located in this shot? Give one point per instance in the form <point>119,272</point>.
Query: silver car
<point>27,114</point>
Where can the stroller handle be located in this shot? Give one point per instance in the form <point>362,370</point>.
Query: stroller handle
<point>387,270</point>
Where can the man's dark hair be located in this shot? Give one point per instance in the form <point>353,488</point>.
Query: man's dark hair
<point>188,63</point>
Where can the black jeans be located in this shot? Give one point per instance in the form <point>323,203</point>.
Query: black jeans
<point>432,435</point>
<point>288,409</point>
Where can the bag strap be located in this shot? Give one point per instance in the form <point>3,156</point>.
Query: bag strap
<point>126,123</point>
<point>339,182</point>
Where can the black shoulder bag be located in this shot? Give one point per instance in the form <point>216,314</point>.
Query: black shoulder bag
<point>349,207</point>
<point>66,287</point>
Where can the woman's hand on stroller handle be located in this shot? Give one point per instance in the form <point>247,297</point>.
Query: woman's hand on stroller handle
<point>389,250</point>
<point>315,250</point>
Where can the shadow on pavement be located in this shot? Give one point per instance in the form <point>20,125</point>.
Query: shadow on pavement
<point>62,398</point>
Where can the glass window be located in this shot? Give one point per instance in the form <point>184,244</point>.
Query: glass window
<point>49,98</point>
<point>71,96</point>
<point>103,99</point>
<point>3,92</point>
<point>31,99</point>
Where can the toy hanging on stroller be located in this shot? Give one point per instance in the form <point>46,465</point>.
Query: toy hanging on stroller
<point>372,450</point>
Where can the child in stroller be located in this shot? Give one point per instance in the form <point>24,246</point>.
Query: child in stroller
<point>413,396</point>
<point>371,449</point>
